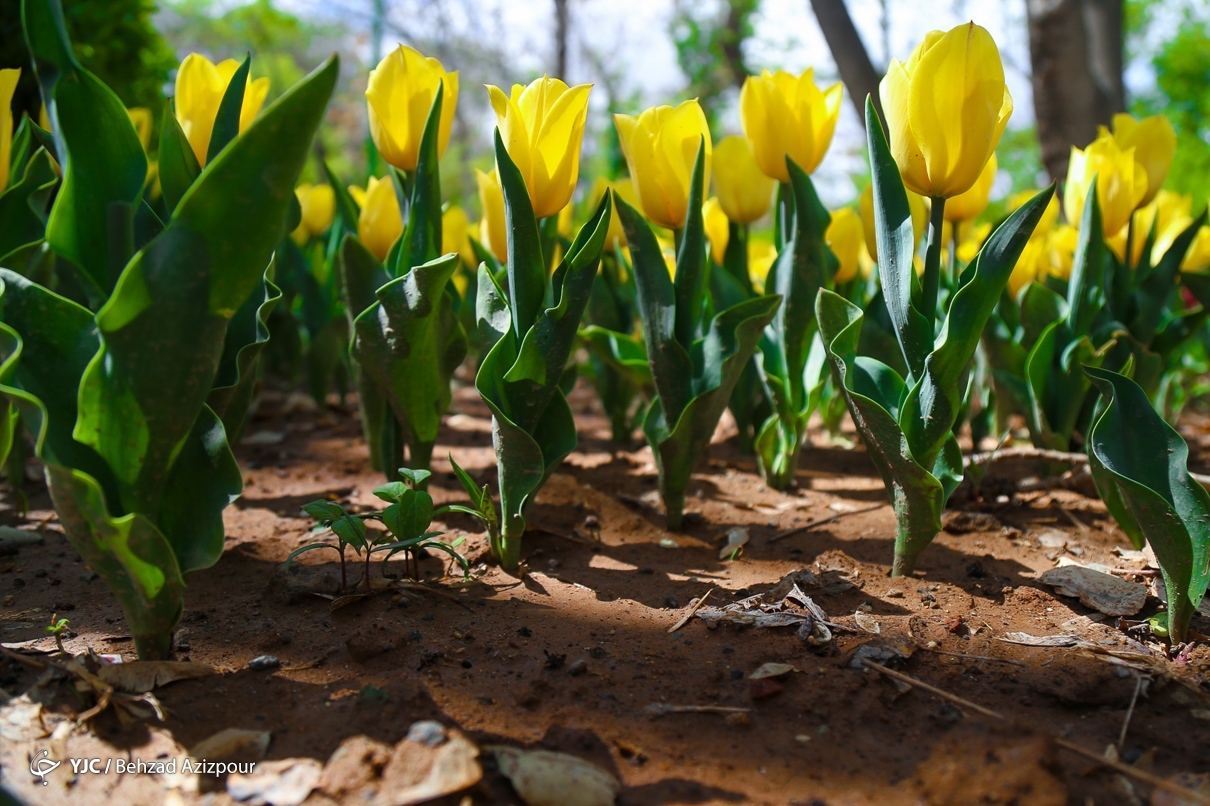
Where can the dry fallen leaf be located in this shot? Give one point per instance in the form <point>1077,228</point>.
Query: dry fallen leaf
<point>545,778</point>
<point>867,622</point>
<point>230,743</point>
<point>287,782</point>
<point>139,677</point>
<point>737,538</point>
<point>428,767</point>
<point>772,670</point>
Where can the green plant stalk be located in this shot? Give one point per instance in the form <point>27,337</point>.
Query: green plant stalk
<point>529,345</point>
<point>695,362</point>
<point>932,258</point>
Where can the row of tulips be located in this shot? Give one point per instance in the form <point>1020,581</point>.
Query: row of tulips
<point>136,310</point>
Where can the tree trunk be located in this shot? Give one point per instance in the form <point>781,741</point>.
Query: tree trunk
<point>1075,51</point>
<point>561,36</point>
<point>858,73</point>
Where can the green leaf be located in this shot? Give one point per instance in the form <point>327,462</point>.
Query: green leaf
<point>104,164</point>
<point>421,241</point>
<point>417,478</point>
<point>178,164</point>
<point>410,343</point>
<point>409,518</point>
<point>235,382</point>
<point>1152,295</point>
<point>351,531</point>
<point>1086,295</point>
<point>896,247</point>
<point>1147,461</point>
<point>917,495</point>
<point>226,121</point>
<point>22,210</point>
<point>692,282</point>
<point>346,209</point>
<point>526,264</point>
<point>933,404</point>
<point>324,511</point>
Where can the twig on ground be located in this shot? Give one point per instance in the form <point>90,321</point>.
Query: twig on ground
<point>1009,661</point>
<point>685,618</point>
<point>1134,698</point>
<point>660,709</point>
<point>813,524</point>
<point>1117,766</point>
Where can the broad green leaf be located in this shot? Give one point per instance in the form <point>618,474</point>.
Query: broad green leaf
<point>421,241</point>
<point>1152,295</point>
<point>1086,295</point>
<point>245,340</point>
<point>526,263</point>
<point>226,121</point>
<point>410,516</point>
<point>896,247</point>
<point>1147,461</point>
<point>104,164</point>
<point>691,286</point>
<point>178,165</point>
<point>22,210</point>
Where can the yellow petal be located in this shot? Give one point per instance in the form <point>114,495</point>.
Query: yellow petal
<point>380,223</point>
<point>718,228</point>
<point>744,191</point>
<point>8,85</point>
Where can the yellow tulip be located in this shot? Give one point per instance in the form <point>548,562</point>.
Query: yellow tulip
<point>8,85</point>
<point>399,95</point>
<point>542,126</point>
<point>380,223</point>
<point>623,188</point>
<point>1121,183</point>
<point>1154,142</point>
<point>661,145</point>
<point>744,191</point>
<point>1197,259</point>
<point>493,231</point>
<point>200,85</point>
<point>318,203</point>
<point>846,238</point>
<point>918,205</point>
<point>455,234</point>
<point>1061,247</point>
<point>1032,266</point>
<point>970,237</point>
<point>946,110</point>
<point>761,255</point>
<point>1169,214</point>
<point>359,195</point>
<point>968,205</point>
<point>788,116</point>
<point>718,228</point>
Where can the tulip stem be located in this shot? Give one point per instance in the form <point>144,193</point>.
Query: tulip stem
<point>932,261</point>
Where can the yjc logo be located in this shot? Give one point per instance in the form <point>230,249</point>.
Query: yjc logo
<point>41,765</point>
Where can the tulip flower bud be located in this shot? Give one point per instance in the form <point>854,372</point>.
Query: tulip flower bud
<point>200,86</point>
<point>788,116</point>
<point>761,256</point>
<point>744,191</point>
<point>946,109</point>
<point>845,237</point>
<point>380,223</point>
<point>318,203</point>
<point>661,145</point>
<point>967,206</point>
<point>493,231</point>
<point>542,126</point>
<point>400,94</point>
<point>918,205</point>
<point>1121,183</point>
<point>455,235</point>
<point>1169,214</point>
<point>1154,142</point>
<point>8,85</point>
<point>718,228</point>
<point>616,235</point>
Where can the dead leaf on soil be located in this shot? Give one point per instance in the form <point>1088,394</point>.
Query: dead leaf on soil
<point>772,670</point>
<point>287,782</point>
<point>867,622</point>
<point>1104,592</point>
<point>420,771</point>
<point>546,778</point>
<point>737,538</point>
<point>140,677</point>
<point>231,743</point>
<point>1025,639</point>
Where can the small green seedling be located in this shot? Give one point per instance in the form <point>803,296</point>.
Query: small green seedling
<point>58,628</point>
<point>407,517</point>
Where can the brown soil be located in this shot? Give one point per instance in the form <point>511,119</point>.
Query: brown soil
<point>501,662</point>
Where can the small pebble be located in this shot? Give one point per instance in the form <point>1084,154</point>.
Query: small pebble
<point>578,668</point>
<point>264,662</point>
<point>427,732</point>
<point>671,601</point>
<point>88,576</point>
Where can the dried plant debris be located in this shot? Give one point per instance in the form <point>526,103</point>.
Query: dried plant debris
<point>1110,595</point>
<point>287,782</point>
<point>546,778</point>
<point>785,605</point>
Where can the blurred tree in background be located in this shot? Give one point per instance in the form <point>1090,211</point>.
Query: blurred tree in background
<point>709,39</point>
<point>115,39</point>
